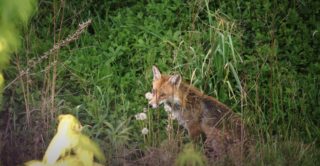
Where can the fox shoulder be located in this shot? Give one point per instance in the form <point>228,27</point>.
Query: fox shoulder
<point>213,108</point>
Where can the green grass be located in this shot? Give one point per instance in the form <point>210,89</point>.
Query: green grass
<point>103,76</point>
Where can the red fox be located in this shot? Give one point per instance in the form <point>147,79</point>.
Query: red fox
<point>195,111</point>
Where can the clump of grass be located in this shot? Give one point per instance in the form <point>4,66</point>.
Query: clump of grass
<point>103,76</point>
<point>283,153</point>
<point>190,157</point>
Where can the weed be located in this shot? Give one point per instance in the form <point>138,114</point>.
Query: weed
<point>257,57</point>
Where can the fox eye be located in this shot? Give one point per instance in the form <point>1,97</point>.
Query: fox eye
<point>162,94</point>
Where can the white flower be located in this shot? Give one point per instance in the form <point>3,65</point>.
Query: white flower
<point>144,131</point>
<point>172,116</point>
<point>167,108</point>
<point>148,95</point>
<point>141,116</point>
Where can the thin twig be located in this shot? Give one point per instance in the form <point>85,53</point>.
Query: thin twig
<point>33,62</point>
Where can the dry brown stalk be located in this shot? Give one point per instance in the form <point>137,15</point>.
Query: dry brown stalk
<point>35,61</point>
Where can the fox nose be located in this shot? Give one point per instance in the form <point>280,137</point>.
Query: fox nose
<point>153,105</point>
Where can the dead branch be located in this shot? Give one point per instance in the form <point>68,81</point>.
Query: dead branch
<point>35,61</point>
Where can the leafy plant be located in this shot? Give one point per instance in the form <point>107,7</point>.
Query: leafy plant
<point>190,157</point>
<point>259,58</point>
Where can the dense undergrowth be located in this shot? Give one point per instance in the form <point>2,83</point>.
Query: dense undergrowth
<point>260,58</point>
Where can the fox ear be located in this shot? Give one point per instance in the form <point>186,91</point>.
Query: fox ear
<point>175,80</point>
<point>156,73</point>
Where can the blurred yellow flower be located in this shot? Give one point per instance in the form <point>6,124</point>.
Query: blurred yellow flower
<point>1,45</point>
<point>70,147</point>
<point>1,82</point>
<point>1,87</point>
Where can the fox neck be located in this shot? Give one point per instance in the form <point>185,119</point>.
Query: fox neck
<point>174,103</point>
<point>178,100</point>
<point>189,96</point>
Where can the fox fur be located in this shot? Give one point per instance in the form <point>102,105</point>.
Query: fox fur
<point>198,113</point>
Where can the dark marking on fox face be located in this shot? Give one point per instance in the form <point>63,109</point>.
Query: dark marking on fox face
<point>174,106</point>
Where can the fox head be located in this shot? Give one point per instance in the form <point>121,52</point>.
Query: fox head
<point>165,89</point>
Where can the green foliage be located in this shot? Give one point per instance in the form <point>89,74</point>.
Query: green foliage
<point>284,153</point>
<point>13,15</point>
<point>190,157</point>
<point>118,134</point>
<point>258,57</point>
<point>281,66</point>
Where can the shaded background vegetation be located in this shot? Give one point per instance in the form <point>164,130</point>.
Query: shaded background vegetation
<point>260,57</point>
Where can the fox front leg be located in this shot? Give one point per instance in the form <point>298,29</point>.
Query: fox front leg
<point>194,130</point>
